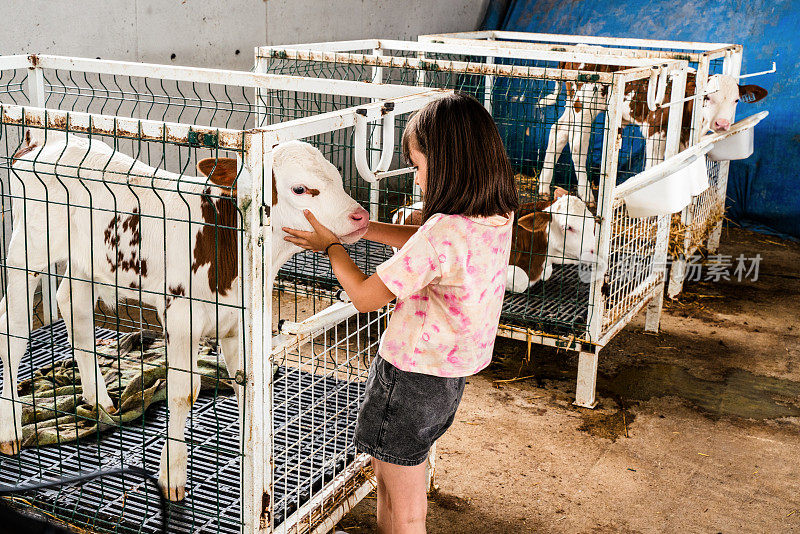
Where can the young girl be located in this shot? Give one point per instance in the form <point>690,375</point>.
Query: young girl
<point>448,278</point>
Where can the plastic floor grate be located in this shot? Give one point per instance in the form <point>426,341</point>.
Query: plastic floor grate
<point>307,456</point>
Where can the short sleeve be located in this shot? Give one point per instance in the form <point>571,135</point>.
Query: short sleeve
<point>413,267</point>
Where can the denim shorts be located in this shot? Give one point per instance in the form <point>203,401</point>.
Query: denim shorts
<point>404,413</point>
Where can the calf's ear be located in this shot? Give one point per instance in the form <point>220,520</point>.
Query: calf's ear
<point>526,222</point>
<point>537,221</point>
<point>414,218</point>
<point>220,171</point>
<point>559,192</point>
<point>751,93</point>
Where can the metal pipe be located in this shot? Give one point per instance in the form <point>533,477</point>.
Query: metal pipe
<point>395,172</point>
<point>761,73</point>
<point>657,87</point>
<point>387,151</point>
<point>569,39</point>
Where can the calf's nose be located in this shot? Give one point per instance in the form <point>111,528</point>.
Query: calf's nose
<point>722,124</point>
<point>359,215</point>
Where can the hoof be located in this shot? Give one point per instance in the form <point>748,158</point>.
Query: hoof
<point>9,448</point>
<point>174,494</point>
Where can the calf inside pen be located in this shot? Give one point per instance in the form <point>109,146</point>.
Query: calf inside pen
<point>552,232</point>
<point>549,232</point>
<point>585,101</point>
<point>128,230</point>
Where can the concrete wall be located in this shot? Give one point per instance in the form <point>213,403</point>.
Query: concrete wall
<point>298,21</point>
<point>214,33</point>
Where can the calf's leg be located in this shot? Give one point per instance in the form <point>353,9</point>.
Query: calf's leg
<point>183,387</point>
<point>556,141</point>
<point>14,332</point>
<point>76,302</point>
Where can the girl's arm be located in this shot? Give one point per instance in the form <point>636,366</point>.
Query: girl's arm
<point>394,235</point>
<point>368,293</point>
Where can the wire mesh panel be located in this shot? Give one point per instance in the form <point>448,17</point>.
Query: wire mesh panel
<point>150,199</point>
<point>699,225</point>
<point>551,109</point>
<point>126,238</point>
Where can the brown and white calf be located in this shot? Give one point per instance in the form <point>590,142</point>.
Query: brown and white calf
<point>553,232</point>
<point>586,100</point>
<point>130,231</point>
<point>548,232</point>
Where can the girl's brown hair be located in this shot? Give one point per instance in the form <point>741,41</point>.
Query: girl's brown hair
<point>468,169</point>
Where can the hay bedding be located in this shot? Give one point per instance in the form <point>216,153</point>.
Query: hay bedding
<point>135,371</point>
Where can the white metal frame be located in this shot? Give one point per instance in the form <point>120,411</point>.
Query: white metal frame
<point>701,224</point>
<point>606,318</point>
<point>255,334</point>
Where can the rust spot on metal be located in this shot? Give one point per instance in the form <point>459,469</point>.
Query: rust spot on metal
<point>59,122</point>
<point>265,513</point>
<point>34,59</point>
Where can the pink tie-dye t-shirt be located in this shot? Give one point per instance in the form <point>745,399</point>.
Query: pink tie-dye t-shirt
<point>449,279</point>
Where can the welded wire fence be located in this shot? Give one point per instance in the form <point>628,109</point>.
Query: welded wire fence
<point>552,117</point>
<point>130,189</point>
<point>699,225</point>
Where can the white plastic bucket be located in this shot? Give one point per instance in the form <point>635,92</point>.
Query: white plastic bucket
<point>698,176</point>
<point>668,195</point>
<point>737,146</point>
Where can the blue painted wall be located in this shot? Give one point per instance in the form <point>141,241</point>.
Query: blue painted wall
<point>764,190</point>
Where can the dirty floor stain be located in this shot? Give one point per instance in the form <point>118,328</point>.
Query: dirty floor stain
<point>739,393</point>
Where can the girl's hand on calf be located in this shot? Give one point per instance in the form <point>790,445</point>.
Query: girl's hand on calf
<point>316,240</point>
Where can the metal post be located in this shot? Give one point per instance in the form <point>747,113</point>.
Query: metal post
<point>261,112</point>
<point>38,98</point>
<point>421,82</point>
<point>587,379</point>
<point>255,340</point>
<point>674,125</point>
<point>612,142</point>
<point>732,66</point>
<point>678,268</point>
<point>488,84</point>
<point>375,144</point>
<point>430,469</point>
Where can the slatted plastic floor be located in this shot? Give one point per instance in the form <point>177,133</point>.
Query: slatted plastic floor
<point>557,306</point>
<point>306,456</point>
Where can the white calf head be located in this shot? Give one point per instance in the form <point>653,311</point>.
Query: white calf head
<point>304,179</point>
<point>561,232</point>
<point>571,234</point>
<point>719,105</point>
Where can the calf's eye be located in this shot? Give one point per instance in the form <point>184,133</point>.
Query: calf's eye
<point>299,189</point>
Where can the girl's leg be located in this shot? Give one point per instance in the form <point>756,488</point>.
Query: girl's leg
<point>383,512</point>
<point>405,498</point>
